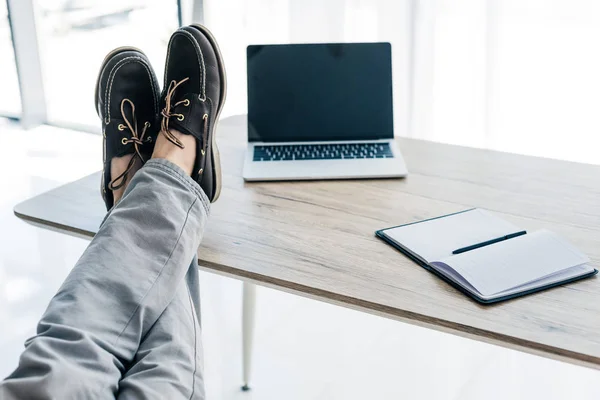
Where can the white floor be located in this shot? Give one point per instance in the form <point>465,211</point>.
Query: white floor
<point>304,349</point>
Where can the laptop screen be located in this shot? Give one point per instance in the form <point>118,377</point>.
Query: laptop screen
<point>319,92</point>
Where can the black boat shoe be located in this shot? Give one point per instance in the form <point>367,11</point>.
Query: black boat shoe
<point>127,100</point>
<point>192,99</point>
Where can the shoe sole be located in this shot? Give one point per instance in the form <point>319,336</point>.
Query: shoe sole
<point>102,68</point>
<point>216,158</point>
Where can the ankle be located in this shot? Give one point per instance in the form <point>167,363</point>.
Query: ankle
<point>118,165</point>
<point>183,158</point>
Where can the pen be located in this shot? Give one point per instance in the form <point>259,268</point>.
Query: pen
<point>488,242</point>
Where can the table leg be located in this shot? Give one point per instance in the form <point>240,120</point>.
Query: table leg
<point>248,316</point>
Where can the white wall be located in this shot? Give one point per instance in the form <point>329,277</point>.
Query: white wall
<point>238,23</point>
<point>514,75</point>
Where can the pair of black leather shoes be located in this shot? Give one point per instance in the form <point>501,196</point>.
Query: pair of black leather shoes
<point>134,111</point>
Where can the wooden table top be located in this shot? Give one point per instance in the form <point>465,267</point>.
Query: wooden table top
<point>316,238</point>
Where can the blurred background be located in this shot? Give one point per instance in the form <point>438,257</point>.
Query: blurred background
<point>73,36</point>
<point>514,75</point>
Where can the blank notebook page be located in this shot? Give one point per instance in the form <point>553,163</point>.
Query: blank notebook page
<point>439,237</point>
<point>514,262</point>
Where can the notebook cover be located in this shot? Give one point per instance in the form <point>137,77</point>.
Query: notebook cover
<point>381,235</point>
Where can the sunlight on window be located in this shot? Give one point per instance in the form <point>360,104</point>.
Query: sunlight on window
<point>512,75</point>
<point>76,35</point>
<point>10,98</point>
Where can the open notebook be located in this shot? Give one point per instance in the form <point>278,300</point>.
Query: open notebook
<point>511,267</point>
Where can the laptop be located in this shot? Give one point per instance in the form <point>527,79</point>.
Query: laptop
<point>321,111</point>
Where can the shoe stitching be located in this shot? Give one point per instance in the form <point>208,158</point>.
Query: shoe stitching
<point>209,126</point>
<point>112,75</point>
<point>199,55</point>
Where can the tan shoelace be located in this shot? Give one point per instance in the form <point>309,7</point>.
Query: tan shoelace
<point>136,139</point>
<point>167,114</point>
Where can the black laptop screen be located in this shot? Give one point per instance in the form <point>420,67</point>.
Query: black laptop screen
<point>318,92</point>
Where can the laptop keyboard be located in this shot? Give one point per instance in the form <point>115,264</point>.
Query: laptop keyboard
<point>322,151</point>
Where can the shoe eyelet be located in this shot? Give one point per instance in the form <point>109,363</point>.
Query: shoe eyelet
<point>202,152</point>
<point>121,127</point>
<point>200,171</point>
<point>180,117</point>
<point>149,139</point>
<point>124,141</point>
<point>186,103</point>
<point>202,98</point>
<point>147,125</point>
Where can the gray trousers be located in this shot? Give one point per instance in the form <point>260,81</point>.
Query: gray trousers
<point>126,322</point>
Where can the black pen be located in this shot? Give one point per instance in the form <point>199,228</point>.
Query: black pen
<point>488,242</point>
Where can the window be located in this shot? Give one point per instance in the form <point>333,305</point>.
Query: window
<point>10,100</point>
<point>75,36</point>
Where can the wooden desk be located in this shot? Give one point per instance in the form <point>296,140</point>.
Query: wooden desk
<point>317,238</point>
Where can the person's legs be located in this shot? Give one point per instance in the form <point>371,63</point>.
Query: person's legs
<point>125,318</point>
<point>124,281</point>
<point>168,363</point>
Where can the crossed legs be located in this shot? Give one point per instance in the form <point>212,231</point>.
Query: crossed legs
<point>125,323</point>
<point>168,363</point>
